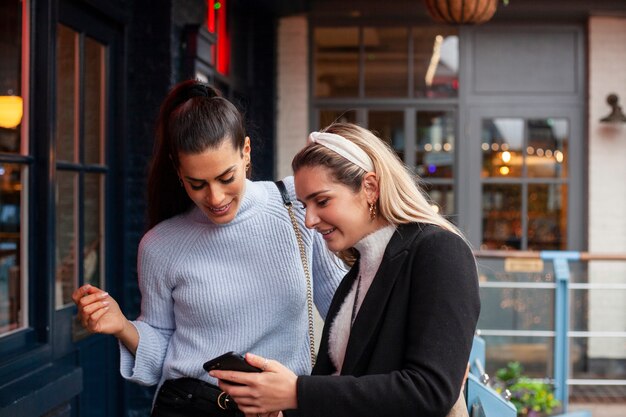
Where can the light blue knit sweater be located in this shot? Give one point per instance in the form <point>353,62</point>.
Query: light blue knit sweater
<point>207,289</point>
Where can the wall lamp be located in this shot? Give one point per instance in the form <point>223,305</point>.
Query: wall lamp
<point>616,115</point>
<point>11,109</point>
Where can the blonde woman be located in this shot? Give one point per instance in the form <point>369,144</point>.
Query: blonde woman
<point>399,329</point>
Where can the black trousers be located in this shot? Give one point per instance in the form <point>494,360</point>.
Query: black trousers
<point>190,397</point>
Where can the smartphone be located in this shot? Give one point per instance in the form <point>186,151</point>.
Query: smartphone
<point>230,361</point>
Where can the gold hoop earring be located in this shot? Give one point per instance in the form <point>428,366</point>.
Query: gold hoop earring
<point>372,211</point>
<point>248,167</point>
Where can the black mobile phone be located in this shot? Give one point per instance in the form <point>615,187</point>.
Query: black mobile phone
<point>230,361</point>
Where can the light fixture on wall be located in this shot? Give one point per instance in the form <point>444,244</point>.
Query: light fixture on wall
<point>616,115</point>
<point>11,111</point>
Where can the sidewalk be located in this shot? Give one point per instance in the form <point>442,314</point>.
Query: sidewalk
<point>601,410</point>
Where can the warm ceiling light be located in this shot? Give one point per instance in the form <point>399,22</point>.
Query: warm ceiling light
<point>11,111</point>
<point>506,157</point>
<point>504,170</point>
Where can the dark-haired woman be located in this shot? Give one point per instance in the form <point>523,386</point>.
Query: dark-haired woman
<point>219,269</point>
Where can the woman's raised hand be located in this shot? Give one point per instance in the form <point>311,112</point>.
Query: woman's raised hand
<point>98,312</point>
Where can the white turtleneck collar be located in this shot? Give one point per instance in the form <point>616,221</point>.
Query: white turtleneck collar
<point>371,250</point>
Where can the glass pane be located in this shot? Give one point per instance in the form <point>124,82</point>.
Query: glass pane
<point>530,309</point>
<point>502,144</point>
<point>328,117</point>
<point>11,103</point>
<point>386,62</point>
<point>67,40</point>
<point>93,229</point>
<point>435,144</point>
<point>94,101</point>
<point>66,274</point>
<point>547,150</point>
<point>389,126</point>
<point>436,62</point>
<point>499,270</point>
<point>535,354</point>
<point>442,196</point>
<point>547,217</point>
<point>11,312</point>
<point>502,217</point>
<point>597,310</point>
<point>336,62</point>
<point>598,358</point>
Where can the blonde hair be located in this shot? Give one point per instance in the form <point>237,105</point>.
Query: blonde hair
<point>401,200</point>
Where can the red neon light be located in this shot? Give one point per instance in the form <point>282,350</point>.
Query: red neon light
<point>210,15</point>
<point>223,40</point>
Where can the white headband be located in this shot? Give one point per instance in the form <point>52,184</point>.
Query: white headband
<point>343,147</point>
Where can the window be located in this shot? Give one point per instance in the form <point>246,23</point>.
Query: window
<point>525,183</point>
<point>14,166</point>
<point>80,170</point>
<point>400,82</point>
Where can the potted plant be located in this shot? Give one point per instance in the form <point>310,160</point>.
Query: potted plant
<point>462,11</point>
<point>531,397</point>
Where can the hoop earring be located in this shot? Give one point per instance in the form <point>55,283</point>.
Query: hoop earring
<point>248,167</point>
<point>180,180</point>
<point>372,211</point>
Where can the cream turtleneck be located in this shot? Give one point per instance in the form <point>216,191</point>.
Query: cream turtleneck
<point>371,249</point>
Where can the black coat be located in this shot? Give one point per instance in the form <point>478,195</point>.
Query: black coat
<point>410,343</point>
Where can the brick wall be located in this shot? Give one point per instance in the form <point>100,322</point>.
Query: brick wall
<point>293,92</point>
<point>607,187</point>
<point>148,80</point>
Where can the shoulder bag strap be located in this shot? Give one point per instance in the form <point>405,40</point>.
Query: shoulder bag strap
<point>309,296</point>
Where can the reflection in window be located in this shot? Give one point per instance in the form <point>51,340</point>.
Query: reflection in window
<point>501,145</point>
<point>13,175</point>
<point>386,62</point>
<point>547,228</point>
<point>435,144</point>
<point>80,132</point>
<point>524,163</point>
<point>547,148</point>
<point>442,197</point>
<point>67,62</point>
<point>66,274</point>
<point>389,126</point>
<point>436,62</point>
<point>92,245</point>
<point>11,312</point>
<point>328,117</point>
<point>94,101</point>
<point>336,62</point>
<point>502,216</point>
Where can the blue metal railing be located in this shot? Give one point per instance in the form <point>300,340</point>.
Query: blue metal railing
<point>561,264</point>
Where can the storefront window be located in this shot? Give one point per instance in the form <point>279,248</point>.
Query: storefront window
<point>525,190</point>
<point>436,131</point>
<point>336,57</point>
<point>81,172</point>
<point>389,126</point>
<point>386,62</point>
<point>435,62</point>
<point>328,117</point>
<point>13,172</point>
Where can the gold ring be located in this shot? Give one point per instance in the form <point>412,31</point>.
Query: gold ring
<point>223,398</point>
